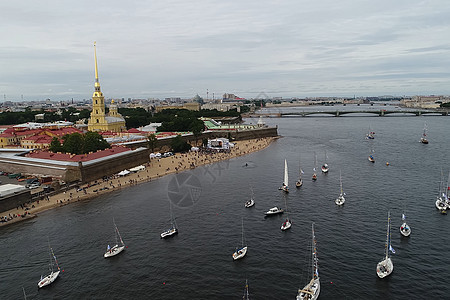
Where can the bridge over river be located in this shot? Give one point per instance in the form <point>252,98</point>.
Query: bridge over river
<point>338,113</point>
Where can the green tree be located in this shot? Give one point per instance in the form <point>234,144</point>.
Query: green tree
<point>197,129</point>
<point>93,141</point>
<point>178,144</point>
<point>152,141</point>
<point>73,143</point>
<point>55,145</point>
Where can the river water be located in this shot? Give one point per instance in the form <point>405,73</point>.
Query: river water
<point>208,203</point>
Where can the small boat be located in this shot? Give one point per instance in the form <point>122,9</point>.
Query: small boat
<point>424,139</point>
<point>371,158</point>
<point>325,166</point>
<point>405,230</point>
<point>274,211</point>
<point>370,135</point>
<point>173,225</point>
<point>299,182</point>
<point>285,186</point>
<point>240,253</point>
<point>312,289</point>
<point>288,222</point>
<point>50,278</point>
<point>314,177</point>
<point>118,247</point>
<point>250,202</point>
<point>385,267</point>
<point>340,200</point>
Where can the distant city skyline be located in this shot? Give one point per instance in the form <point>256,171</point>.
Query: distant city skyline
<point>181,49</point>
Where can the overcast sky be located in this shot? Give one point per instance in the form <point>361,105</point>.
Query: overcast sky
<point>179,48</point>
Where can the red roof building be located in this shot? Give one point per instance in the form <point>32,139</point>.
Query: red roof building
<point>76,158</point>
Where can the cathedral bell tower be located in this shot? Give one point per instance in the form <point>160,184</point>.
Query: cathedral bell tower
<point>97,121</point>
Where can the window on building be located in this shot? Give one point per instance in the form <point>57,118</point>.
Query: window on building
<point>95,101</point>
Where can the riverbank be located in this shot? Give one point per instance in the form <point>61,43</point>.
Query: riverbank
<point>155,169</point>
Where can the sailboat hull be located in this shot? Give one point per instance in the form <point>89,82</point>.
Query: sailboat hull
<point>286,225</point>
<point>385,267</point>
<point>299,183</point>
<point>169,233</point>
<point>340,200</point>
<point>250,203</point>
<point>310,291</point>
<point>114,251</point>
<point>48,279</point>
<point>405,230</point>
<point>240,253</point>
<point>440,204</point>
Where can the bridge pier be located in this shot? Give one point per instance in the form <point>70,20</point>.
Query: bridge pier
<point>381,113</point>
<point>337,113</point>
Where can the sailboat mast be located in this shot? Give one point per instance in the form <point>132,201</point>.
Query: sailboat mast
<point>314,254</point>
<point>340,182</point>
<point>242,232</point>
<point>388,234</point>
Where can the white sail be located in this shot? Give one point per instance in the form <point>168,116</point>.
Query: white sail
<point>286,175</point>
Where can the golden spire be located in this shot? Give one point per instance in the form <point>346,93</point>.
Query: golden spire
<point>97,84</point>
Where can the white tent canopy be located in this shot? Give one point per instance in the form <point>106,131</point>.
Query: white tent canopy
<point>123,173</point>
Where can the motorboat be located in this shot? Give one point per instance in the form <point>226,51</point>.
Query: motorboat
<point>274,210</point>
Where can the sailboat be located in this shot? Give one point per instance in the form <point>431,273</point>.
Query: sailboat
<point>424,139</point>
<point>442,198</point>
<point>173,225</point>
<point>246,294</point>
<point>446,191</point>
<point>371,158</point>
<point>340,200</point>
<point>53,275</point>
<point>370,135</point>
<point>312,289</point>
<point>405,230</point>
<point>250,202</point>
<point>240,253</point>
<point>285,186</point>
<point>385,267</point>
<point>299,182</point>
<point>314,177</point>
<point>117,248</point>
<point>325,166</point>
<point>288,222</point>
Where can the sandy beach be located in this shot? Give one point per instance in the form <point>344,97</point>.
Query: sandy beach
<point>154,169</point>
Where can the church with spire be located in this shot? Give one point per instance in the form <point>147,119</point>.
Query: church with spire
<point>99,120</point>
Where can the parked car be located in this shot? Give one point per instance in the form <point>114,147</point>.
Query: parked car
<point>167,154</point>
